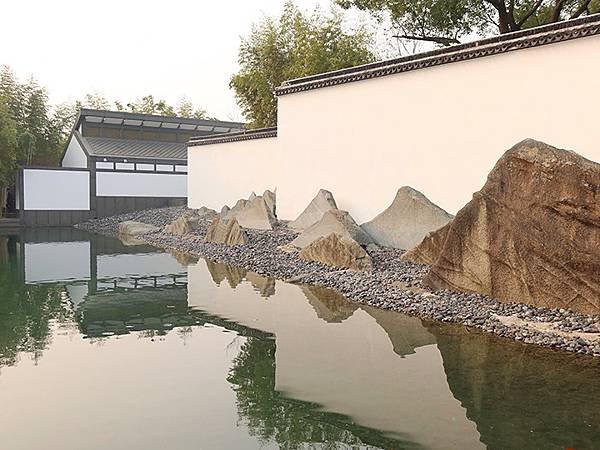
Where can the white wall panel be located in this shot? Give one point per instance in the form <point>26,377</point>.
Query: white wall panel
<point>115,184</point>
<point>221,174</point>
<point>56,189</point>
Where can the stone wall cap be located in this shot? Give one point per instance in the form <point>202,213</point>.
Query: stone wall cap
<point>259,133</point>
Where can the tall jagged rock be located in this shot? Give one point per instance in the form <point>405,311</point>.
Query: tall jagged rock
<point>318,206</point>
<point>407,220</point>
<point>271,201</point>
<point>531,234</point>
<point>333,221</point>
<point>338,251</point>
<point>256,214</point>
<point>226,232</point>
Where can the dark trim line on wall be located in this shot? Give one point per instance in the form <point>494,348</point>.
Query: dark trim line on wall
<point>142,172</point>
<point>259,133</point>
<point>534,37</point>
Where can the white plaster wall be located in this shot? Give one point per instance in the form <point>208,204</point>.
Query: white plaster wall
<point>221,174</point>
<point>74,156</point>
<point>118,184</point>
<point>439,129</point>
<point>56,189</point>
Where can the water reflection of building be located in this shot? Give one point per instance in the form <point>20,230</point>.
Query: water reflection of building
<point>113,287</point>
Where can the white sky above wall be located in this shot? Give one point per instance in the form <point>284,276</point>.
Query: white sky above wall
<point>125,49</point>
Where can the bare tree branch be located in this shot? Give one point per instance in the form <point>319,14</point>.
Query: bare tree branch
<point>437,39</point>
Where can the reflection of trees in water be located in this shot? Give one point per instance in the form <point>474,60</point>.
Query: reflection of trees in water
<point>26,312</point>
<point>292,423</point>
<point>522,396</point>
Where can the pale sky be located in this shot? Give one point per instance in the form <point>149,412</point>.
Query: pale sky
<point>129,48</point>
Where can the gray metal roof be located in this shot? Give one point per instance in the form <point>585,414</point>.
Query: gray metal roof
<point>129,148</point>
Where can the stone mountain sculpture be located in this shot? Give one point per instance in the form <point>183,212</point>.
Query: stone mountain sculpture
<point>319,205</point>
<point>407,220</point>
<point>531,234</point>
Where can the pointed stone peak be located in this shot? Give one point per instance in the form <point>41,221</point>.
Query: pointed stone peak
<point>409,218</point>
<point>318,206</point>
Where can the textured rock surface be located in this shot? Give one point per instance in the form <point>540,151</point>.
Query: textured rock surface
<point>319,205</point>
<point>407,220</point>
<point>226,232</point>
<point>531,234</point>
<point>183,225</point>
<point>133,228</point>
<point>204,212</point>
<point>271,201</point>
<point>188,223</point>
<point>256,214</point>
<point>333,221</point>
<point>338,251</point>
<point>429,249</point>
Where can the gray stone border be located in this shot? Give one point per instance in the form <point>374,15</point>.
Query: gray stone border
<point>259,133</point>
<point>534,37</point>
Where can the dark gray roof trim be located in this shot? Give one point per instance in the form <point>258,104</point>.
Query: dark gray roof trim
<point>534,37</point>
<point>259,133</point>
<point>159,121</point>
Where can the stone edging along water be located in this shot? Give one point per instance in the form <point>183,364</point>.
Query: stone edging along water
<point>393,284</point>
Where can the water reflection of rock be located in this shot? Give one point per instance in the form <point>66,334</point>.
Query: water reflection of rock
<point>522,396</point>
<point>331,306</point>
<point>265,286</point>
<point>406,333</point>
<point>185,259</point>
<point>220,272</point>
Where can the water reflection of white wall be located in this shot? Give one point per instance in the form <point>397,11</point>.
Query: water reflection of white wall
<point>348,367</point>
<point>147,264</point>
<point>57,261</point>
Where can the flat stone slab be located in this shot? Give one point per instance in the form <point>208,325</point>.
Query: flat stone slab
<point>405,223</point>
<point>133,228</point>
<point>319,205</point>
<point>333,221</point>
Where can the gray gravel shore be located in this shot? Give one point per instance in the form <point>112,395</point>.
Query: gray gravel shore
<point>393,284</point>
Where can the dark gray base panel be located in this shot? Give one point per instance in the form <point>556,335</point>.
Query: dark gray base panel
<point>109,206</point>
<point>53,218</point>
<point>105,206</point>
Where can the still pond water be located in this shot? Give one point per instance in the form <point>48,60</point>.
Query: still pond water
<point>107,346</point>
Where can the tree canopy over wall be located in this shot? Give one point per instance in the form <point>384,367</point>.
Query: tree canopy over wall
<point>292,46</point>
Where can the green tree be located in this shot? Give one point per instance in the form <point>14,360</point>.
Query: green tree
<point>147,105</point>
<point>445,22</point>
<point>292,46</point>
<point>8,151</point>
<point>186,108</point>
